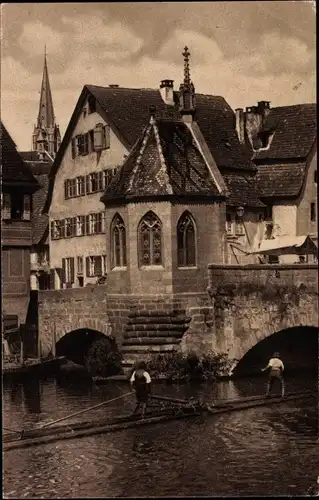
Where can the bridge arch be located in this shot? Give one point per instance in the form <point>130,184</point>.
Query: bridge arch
<point>297,345</point>
<point>77,345</point>
<point>65,327</point>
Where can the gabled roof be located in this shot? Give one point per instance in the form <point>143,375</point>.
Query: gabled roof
<point>166,161</point>
<point>295,133</point>
<point>281,180</point>
<point>40,221</point>
<point>127,112</point>
<point>13,168</point>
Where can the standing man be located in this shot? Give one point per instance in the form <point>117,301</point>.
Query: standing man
<point>141,381</point>
<point>276,370</point>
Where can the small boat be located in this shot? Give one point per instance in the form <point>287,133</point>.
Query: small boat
<point>164,410</point>
<point>32,366</point>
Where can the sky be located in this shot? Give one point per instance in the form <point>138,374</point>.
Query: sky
<point>243,51</point>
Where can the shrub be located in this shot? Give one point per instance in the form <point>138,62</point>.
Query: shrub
<point>176,366</point>
<point>103,358</point>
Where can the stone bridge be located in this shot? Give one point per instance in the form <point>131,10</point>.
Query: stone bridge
<point>251,303</point>
<point>242,306</point>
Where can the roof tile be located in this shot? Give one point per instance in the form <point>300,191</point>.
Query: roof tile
<point>164,161</point>
<point>13,168</point>
<point>280,180</point>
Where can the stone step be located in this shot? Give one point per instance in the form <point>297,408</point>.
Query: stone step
<point>158,334</point>
<point>128,349</point>
<point>151,341</point>
<point>149,320</point>
<point>156,327</point>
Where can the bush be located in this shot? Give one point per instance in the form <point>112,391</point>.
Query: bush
<point>176,366</point>
<point>103,358</point>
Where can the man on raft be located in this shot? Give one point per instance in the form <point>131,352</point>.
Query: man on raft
<point>141,382</point>
<point>276,369</point>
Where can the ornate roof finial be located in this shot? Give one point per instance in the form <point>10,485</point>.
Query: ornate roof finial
<point>187,91</point>
<point>186,54</point>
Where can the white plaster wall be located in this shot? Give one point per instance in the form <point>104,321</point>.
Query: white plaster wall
<point>308,195</point>
<point>61,208</point>
<point>285,219</point>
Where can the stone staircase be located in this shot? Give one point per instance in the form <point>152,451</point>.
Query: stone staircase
<point>152,332</point>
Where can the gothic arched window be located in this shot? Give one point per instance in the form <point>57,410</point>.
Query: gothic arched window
<point>118,242</point>
<point>150,241</point>
<point>186,241</point>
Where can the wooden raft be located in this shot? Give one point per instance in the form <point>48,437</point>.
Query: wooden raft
<point>177,409</point>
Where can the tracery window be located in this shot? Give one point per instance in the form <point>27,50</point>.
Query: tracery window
<point>150,241</point>
<point>186,241</point>
<point>118,242</point>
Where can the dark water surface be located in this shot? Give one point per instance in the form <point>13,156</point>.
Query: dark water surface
<point>262,451</point>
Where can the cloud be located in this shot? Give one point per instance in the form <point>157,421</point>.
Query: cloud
<point>114,39</point>
<point>102,49</point>
<point>204,50</point>
<point>35,35</point>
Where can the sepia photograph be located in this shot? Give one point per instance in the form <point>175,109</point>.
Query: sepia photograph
<point>159,249</point>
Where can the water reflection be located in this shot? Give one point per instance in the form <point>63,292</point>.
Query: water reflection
<point>242,453</point>
<point>32,396</point>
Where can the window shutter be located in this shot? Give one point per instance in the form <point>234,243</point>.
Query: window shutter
<point>102,214</point>
<point>73,143</point>
<point>66,191</point>
<point>26,207</point>
<point>87,184</point>
<point>87,264</point>
<point>73,226</point>
<point>52,279</point>
<point>52,235</point>
<point>98,266</point>
<point>87,224</point>
<point>63,274</point>
<point>72,269</point>
<point>6,211</point>
<point>98,137</point>
<point>106,136</point>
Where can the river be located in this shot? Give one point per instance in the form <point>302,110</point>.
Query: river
<point>262,451</point>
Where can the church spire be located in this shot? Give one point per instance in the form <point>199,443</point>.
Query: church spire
<point>46,113</point>
<point>187,91</point>
<point>46,135</point>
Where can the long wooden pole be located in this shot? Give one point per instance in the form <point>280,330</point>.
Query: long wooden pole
<point>86,409</point>
<point>54,340</point>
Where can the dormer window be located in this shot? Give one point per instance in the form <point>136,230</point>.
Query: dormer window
<point>264,139</point>
<point>91,104</point>
<point>16,206</point>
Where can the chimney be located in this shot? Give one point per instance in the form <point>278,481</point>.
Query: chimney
<point>167,92</point>
<point>240,124</point>
<point>263,108</point>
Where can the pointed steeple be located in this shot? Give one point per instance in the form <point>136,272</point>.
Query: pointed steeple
<point>46,112</point>
<point>187,91</point>
<point>46,135</point>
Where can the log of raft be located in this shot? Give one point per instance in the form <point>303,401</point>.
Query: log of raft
<point>39,436</point>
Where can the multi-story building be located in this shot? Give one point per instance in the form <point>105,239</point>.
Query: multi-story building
<point>18,185</point>
<point>105,125</point>
<point>283,145</point>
